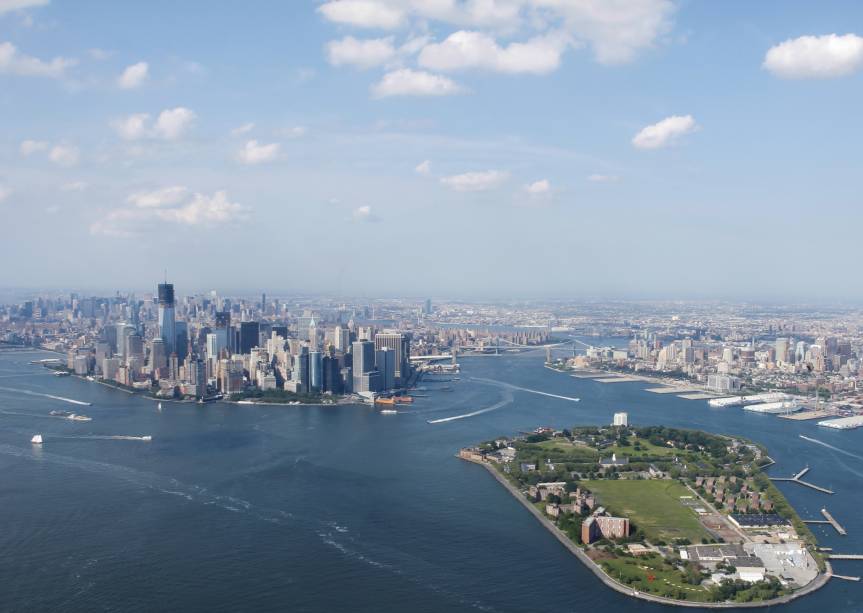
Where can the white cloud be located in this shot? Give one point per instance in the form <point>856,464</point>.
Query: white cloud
<point>171,123</point>
<point>424,168</point>
<point>475,181</point>
<point>29,147</point>
<point>665,132</point>
<point>14,62</point>
<point>243,129</point>
<point>5,192</point>
<point>172,206</point>
<point>166,196</point>
<point>816,57</point>
<point>361,53</point>
<point>538,188</point>
<point>363,13</point>
<point>74,186</point>
<point>616,29</point>
<point>132,127</point>
<point>365,214</point>
<point>257,153</point>
<point>294,132</point>
<point>134,76</point>
<point>407,82</point>
<point>600,178</point>
<point>466,49</point>
<point>64,154</point>
<point>17,5</point>
<point>99,54</point>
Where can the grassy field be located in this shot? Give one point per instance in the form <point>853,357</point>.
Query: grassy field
<point>653,506</point>
<point>654,576</point>
<point>647,449</point>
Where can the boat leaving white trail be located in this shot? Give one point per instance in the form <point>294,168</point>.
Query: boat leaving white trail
<point>829,446</point>
<point>61,398</point>
<point>524,389</point>
<point>507,400</point>
<point>106,437</point>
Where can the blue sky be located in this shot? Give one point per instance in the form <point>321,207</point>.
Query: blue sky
<point>488,148</point>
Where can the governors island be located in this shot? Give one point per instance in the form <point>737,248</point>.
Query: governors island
<point>680,517</point>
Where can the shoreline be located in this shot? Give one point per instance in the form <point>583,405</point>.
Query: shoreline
<point>812,586</point>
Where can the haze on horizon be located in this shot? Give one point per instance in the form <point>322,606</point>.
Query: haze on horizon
<point>548,148</point>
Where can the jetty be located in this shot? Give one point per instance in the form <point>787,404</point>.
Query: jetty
<point>828,519</point>
<point>797,479</point>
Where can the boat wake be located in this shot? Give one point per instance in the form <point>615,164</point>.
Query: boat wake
<point>507,400</point>
<point>30,393</point>
<point>109,437</point>
<point>523,389</point>
<point>829,446</point>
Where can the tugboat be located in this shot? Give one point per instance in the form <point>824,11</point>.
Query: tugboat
<point>37,439</point>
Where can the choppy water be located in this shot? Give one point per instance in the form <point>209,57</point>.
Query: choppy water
<point>232,507</point>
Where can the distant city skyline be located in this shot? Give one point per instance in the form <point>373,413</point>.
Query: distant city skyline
<point>486,150</point>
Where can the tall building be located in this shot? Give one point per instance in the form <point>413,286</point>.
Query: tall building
<point>621,419</point>
<point>316,367</point>
<point>400,344</point>
<point>223,331</point>
<point>341,338</point>
<point>158,357</point>
<point>385,360</point>
<point>182,343</point>
<point>249,336</point>
<point>363,364</point>
<point>427,309</point>
<point>300,372</point>
<point>781,350</point>
<point>167,319</point>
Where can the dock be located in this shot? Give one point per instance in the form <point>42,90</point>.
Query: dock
<point>796,479</point>
<point>832,521</point>
<point>845,556</point>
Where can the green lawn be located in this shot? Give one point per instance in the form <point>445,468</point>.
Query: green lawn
<point>653,506</point>
<point>654,576</point>
<point>647,449</point>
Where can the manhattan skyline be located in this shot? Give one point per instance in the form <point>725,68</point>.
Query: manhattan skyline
<point>478,149</point>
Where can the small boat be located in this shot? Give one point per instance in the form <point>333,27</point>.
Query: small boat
<point>61,373</point>
<point>388,411</point>
<point>37,439</point>
<point>147,438</point>
<point>159,406</point>
<point>75,417</point>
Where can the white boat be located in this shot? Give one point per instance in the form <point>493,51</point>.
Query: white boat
<point>75,417</point>
<point>388,411</point>
<point>159,406</point>
<point>37,439</point>
<point>147,438</point>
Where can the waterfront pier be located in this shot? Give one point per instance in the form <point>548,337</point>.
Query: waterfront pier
<point>797,479</point>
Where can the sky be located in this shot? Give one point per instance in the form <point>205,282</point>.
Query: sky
<point>471,148</point>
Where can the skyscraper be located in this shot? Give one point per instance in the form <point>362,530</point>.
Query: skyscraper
<point>385,359</point>
<point>363,364</point>
<point>400,344</point>
<point>249,335</point>
<point>167,319</point>
<point>316,367</point>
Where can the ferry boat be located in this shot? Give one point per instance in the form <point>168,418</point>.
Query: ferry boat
<point>37,439</point>
<point>385,401</point>
<point>403,399</point>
